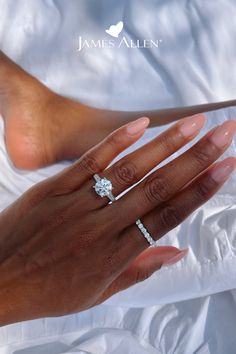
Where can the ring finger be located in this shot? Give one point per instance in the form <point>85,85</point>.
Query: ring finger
<point>173,212</point>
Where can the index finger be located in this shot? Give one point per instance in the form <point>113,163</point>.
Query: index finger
<point>100,156</point>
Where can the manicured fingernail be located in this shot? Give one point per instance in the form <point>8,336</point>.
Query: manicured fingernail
<point>224,134</point>
<point>171,260</point>
<point>192,125</point>
<point>222,170</point>
<point>137,126</point>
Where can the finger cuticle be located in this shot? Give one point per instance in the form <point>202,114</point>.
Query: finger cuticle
<point>189,127</point>
<point>224,134</point>
<point>222,170</point>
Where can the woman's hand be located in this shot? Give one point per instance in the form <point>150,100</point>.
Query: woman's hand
<point>64,249</point>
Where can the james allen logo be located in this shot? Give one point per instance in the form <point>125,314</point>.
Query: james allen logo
<point>115,31</point>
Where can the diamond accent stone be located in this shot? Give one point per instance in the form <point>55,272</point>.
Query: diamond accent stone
<point>145,233</point>
<point>103,187</point>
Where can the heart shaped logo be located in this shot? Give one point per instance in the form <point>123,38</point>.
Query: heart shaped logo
<point>115,30</point>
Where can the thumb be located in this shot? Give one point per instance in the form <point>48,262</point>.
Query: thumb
<point>149,261</point>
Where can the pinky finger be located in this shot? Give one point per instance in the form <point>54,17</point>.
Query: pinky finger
<point>142,267</point>
<point>173,212</point>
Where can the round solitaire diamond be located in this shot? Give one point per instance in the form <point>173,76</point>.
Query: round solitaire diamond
<point>103,187</point>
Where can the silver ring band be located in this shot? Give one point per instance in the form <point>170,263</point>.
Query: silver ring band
<point>146,233</point>
<point>103,187</point>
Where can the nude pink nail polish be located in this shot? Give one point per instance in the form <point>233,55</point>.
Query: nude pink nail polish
<point>224,134</point>
<point>223,170</point>
<point>176,258</point>
<point>192,125</point>
<point>137,126</point>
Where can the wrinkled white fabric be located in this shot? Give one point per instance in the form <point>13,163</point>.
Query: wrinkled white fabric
<point>200,326</point>
<point>194,64</point>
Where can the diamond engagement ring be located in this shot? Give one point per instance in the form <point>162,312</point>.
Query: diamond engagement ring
<point>103,187</point>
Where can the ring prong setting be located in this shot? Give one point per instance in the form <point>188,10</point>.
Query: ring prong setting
<point>103,187</point>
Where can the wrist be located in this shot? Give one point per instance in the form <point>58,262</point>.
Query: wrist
<point>10,305</point>
<point>17,305</point>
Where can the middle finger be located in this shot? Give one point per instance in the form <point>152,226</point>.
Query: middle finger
<point>161,185</point>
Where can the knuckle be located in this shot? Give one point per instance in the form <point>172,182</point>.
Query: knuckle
<point>202,190</point>
<point>21,255</point>
<point>114,140</point>
<point>168,142</point>
<point>85,241</point>
<point>108,267</point>
<point>56,220</point>
<point>110,264</point>
<point>157,189</point>
<point>142,273</point>
<point>38,193</point>
<point>89,163</point>
<point>33,265</point>
<point>170,216</point>
<point>201,157</point>
<point>27,264</point>
<point>125,173</point>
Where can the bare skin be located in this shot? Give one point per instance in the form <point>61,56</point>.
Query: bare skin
<point>64,249</point>
<point>42,127</point>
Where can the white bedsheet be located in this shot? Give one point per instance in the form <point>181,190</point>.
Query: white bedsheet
<point>200,326</point>
<point>194,64</point>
